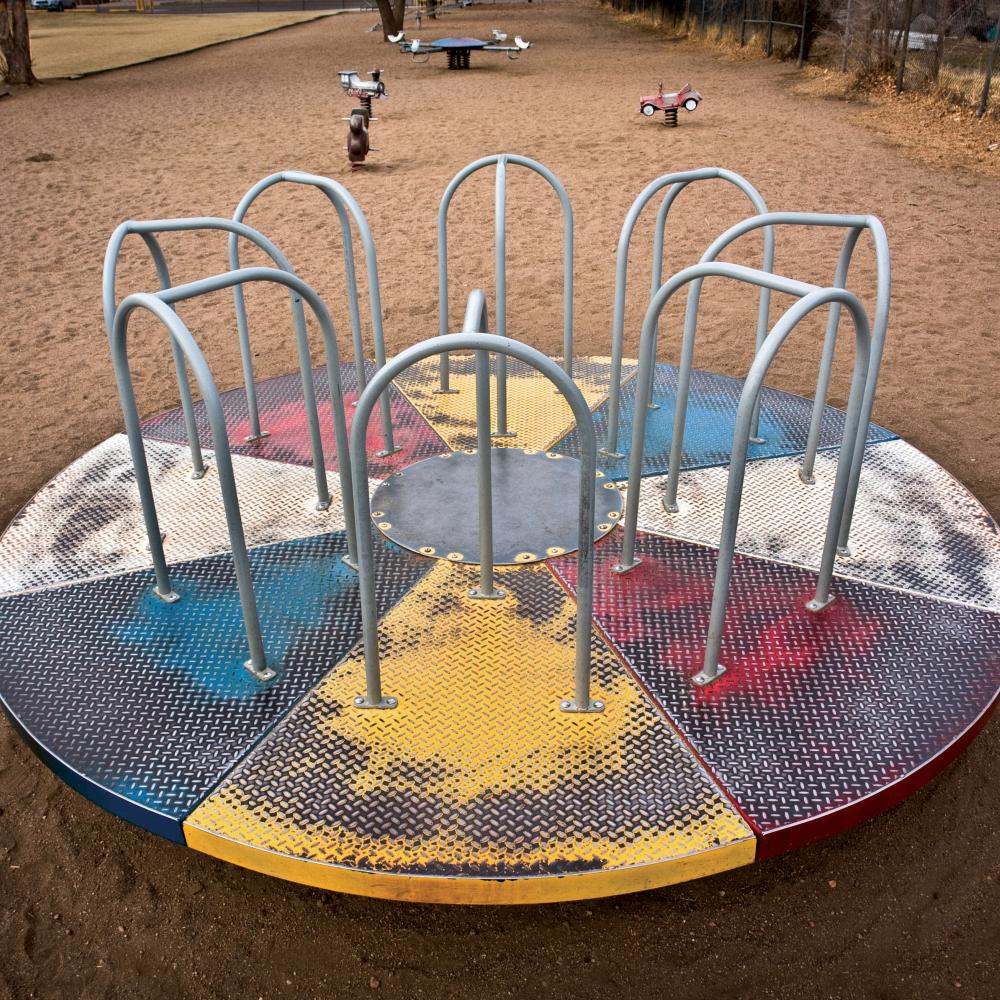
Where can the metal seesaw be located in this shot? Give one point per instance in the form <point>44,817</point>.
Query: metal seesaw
<point>508,699</point>
<point>459,50</point>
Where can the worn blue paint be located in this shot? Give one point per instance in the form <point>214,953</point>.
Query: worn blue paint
<point>144,707</point>
<point>201,636</point>
<point>708,435</point>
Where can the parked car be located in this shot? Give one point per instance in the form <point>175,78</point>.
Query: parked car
<point>53,5</point>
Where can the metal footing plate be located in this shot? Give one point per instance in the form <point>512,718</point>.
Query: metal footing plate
<point>821,720</point>
<point>283,416</point>
<point>143,706</point>
<point>87,522</point>
<point>915,527</point>
<point>708,434</point>
<point>476,788</point>
<point>433,507</point>
<point>536,414</point>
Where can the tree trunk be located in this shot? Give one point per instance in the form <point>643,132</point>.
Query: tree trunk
<point>14,41</point>
<point>6,39</point>
<point>392,22</point>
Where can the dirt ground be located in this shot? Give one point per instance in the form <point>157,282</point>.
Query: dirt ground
<point>906,905</point>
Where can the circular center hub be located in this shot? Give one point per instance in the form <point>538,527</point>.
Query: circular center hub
<point>432,507</point>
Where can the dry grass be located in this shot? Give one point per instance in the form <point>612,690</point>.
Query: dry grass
<point>964,86</point>
<point>80,42</point>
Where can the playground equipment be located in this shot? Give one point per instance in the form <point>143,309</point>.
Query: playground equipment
<point>459,50</point>
<point>446,659</point>
<point>358,145</point>
<point>687,98</point>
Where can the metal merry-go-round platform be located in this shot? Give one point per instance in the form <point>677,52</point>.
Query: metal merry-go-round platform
<point>607,624</point>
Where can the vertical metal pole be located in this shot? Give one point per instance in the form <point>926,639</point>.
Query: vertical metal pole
<point>743,25</point>
<point>309,402</point>
<point>180,365</point>
<point>501,279</point>
<point>802,33</point>
<point>246,359</point>
<point>257,664</point>
<point>763,314</point>
<point>352,299</point>
<point>336,388</point>
<point>187,408</point>
<point>133,430</point>
<point>681,398</point>
<point>770,28</point>
<point>807,469</point>
<point>444,367</point>
<point>879,328</point>
<point>647,362</point>
<point>486,589</point>
<point>567,286</point>
<point>712,668</point>
<point>848,447</point>
<point>582,702</point>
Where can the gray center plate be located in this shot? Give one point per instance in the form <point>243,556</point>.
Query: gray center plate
<point>432,507</point>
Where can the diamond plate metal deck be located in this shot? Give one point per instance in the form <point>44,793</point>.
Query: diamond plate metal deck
<point>87,522</point>
<point>821,720</point>
<point>433,506</point>
<point>915,526</point>
<point>535,411</point>
<point>144,706</point>
<point>282,413</point>
<point>476,788</point>
<point>708,433</point>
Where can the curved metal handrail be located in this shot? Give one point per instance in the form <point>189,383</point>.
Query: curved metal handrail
<point>181,336</point>
<point>483,344</point>
<point>189,348</point>
<point>855,224</point>
<point>345,204</point>
<point>147,230</point>
<point>501,160</point>
<point>811,297</point>
<point>677,182</point>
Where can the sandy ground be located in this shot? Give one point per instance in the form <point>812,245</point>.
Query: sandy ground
<point>906,905</point>
<point>77,42</point>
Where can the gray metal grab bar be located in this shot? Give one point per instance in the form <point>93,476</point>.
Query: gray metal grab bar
<point>148,230</point>
<point>345,205</point>
<point>855,225</point>
<point>484,344</point>
<point>676,182</point>
<point>811,297</point>
<point>160,304</point>
<point>501,160</point>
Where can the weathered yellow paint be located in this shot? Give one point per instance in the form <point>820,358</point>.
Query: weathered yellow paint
<point>477,788</point>
<point>536,412</point>
<point>470,890</point>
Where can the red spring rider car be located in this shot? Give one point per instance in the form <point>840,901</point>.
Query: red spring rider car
<point>687,97</point>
